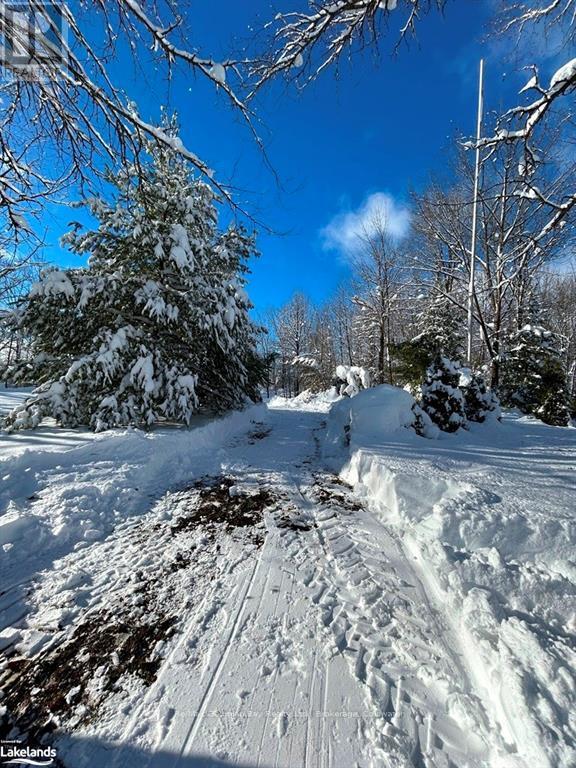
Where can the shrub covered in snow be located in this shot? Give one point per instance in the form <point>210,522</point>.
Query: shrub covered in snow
<point>533,375</point>
<point>451,396</point>
<point>351,379</point>
<point>157,325</point>
<point>480,403</point>
<point>423,424</point>
<point>442,398</point>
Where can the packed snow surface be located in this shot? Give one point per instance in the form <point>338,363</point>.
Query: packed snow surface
<point>307,583</point>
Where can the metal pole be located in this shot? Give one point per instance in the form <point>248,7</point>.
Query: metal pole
<point>475,214</point>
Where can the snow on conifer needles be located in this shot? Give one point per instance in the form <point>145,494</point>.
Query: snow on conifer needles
<point>157,324</point>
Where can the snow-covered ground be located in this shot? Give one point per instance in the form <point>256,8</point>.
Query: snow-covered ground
<point>487,518</point>
<point>10,397</point>
<point>256,592</point>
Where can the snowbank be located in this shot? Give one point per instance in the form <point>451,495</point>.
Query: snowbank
<point>488,517</point>
<point>55,500</point>
<point>372,414</point>
<point>380,411</point>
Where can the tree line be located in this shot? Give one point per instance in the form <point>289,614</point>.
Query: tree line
<point>407,299</point>
<point>67,124</point>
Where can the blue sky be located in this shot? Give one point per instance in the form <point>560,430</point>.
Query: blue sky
<point>373,131</point>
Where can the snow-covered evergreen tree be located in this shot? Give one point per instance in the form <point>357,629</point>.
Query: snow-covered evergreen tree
<point>480,403</point>
<point>442,399</point>
<point>533,375</point>
<point>443,326</point>
<point>442,334</point>
<point>555,409</point>
<point>157,325</point>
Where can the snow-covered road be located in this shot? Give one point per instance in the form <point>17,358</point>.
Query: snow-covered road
<point>263,615</point>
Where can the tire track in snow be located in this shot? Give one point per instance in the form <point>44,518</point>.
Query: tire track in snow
<point>339,704</point>
<point>417,712</point>
<point>205,698</point>
<point>298,743</point>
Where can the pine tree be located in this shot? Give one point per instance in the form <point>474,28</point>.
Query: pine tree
<point>479,402</point>
<point>157,325</point>
<point>442,324</point>
<point>533,375</point>
<point>555,409</point>
<point>412,360</point>
<point>442,399</point>
<point>441,335</point>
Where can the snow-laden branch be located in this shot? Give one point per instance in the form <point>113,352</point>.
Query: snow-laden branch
<point>517,16</point>
<point>62,115</point>
<point>530,116</point>
<point>525,124</point>
<point>311,41</point>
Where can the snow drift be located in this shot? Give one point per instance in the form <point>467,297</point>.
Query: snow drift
<point>373,413</point>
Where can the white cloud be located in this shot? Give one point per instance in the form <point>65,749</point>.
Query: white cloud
<point>346,230</point>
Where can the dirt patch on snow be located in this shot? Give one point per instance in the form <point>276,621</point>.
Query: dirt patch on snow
<point>326,491</point>
<point>294,524</point>
<point>81,672</point>
<point>259,433</point>
<point>220,505</point>
<point>122,642</point>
